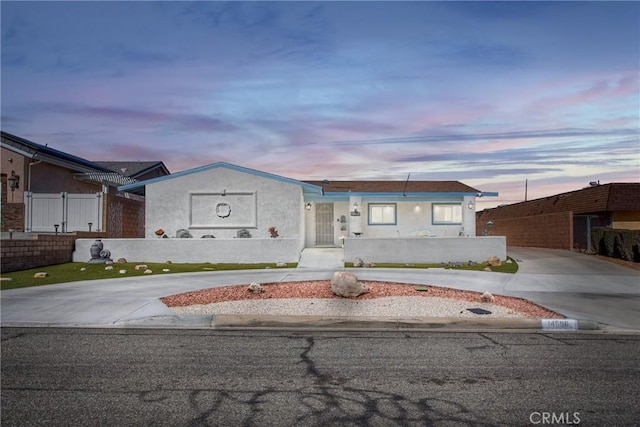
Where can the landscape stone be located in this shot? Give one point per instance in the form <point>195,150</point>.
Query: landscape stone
<point>256,288</point>
<point>121,260</point>
<point>148,271</point>
<point>141,267</point>
<point>122,271</point>
<point>358,262</point>
<point>487,297</point>
<point>345,284</point>
<point>40,275</point>
<point>494,261</point>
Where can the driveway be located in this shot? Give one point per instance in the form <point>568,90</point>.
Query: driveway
<point>579,286</point>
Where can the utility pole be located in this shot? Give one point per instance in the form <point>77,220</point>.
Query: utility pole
<point>526,188</point>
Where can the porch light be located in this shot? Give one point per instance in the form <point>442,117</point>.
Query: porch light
<point>308,206</point>
<point>355,211</point>
<point>470,205</point>
<point>14,181</point>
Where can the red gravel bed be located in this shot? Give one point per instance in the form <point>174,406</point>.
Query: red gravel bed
<point>322,289</point>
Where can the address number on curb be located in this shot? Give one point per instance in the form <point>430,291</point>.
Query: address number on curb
<point>559,324</point>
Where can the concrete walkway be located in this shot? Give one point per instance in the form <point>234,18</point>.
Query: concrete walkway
<point>579,286</point>
<point>322,259</point>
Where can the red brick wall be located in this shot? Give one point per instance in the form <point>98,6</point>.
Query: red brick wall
<point>12,213</point>
<point>42,250</point>
<point>553,231</point>
<point>124,217</point>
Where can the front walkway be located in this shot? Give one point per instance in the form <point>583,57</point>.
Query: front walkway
<point>322,259</point>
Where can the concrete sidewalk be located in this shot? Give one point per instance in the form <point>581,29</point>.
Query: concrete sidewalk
<point>593,291</point>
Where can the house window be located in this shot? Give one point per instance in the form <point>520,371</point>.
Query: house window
<point>447,213</point>
<point>382,214</point>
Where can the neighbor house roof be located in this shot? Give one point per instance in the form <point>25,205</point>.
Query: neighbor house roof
<point>82,169</point>
<point>394,187</point>
<point>135,169</point>
<point>599,198</point>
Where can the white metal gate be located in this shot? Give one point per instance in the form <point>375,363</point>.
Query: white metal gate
<point>324,224</point>
<point>69,211</point>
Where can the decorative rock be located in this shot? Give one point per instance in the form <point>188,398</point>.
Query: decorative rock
<point>256,288</point>
<point>169,262</point>
<point>5,279</point>
<point>148,271</point>
<point>358,262</point>
<point>121,260</point>
<point>40,275</point>
<point>494,261</point>
<point>166,270</point>
<point>109,267</point>
<point>487,297</point>
<point>109,262</point>
<point>183,234</point>
<point>281,264</point>
<point>346,284</point>
<point>83,269</point>
<point>122,271</point>
<point>141,267</point>
<point>487,269</point>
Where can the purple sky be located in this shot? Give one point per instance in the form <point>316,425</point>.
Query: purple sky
<point>489,94</point>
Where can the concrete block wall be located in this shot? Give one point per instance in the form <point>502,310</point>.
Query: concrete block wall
<point>40,250</point>
<point>552,231</point>
<point>124,217</point>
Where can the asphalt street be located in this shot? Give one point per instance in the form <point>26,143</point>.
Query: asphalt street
<point>116,377</point>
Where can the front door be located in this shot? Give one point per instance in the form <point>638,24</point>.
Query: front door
<point>324,224</point>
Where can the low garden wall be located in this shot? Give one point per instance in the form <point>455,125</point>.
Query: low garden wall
<point>244,251</point>
<point>415,250</point>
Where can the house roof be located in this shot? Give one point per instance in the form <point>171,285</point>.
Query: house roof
<point>139,186</point>
<point>134,169</point>
<point>50,155</point>
<point>394,187</point>
<point>599,198</point>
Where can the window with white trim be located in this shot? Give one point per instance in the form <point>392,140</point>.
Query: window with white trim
<point>382,214</point>
<point>447,213</point>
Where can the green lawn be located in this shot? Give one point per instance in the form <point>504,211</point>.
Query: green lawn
<point>76,271</point>
<point>506,267</point>
<point>73,271</point>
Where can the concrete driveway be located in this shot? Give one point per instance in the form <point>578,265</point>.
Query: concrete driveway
<point>579,286</point>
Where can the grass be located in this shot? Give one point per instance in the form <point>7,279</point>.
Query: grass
<point>511,267</point>
<point>73,272</point>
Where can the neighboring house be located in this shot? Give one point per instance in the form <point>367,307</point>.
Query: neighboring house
<point>229,202</point>
<point>48,190</point>
<point>138,170</point>
<point>565,221</point>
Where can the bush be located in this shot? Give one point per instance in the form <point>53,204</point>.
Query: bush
<point>623,244</point>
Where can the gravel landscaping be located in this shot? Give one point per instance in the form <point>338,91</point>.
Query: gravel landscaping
<point>384,299</point>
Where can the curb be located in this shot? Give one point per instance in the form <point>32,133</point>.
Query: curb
<point>230,321</point>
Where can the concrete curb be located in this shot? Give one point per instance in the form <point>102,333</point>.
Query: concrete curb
<point>228,321</point>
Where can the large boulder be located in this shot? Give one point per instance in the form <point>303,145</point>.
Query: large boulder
<point>346,284</point>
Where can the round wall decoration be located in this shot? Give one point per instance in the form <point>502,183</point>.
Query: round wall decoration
<point>223,210</point>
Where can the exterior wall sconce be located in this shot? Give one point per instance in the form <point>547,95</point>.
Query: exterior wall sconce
<point>355,211</point>
<point>14,183</point>
<point>308,206</point>
<point>470,205</point>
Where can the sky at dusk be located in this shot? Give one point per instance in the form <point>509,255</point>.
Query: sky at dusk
<point>490,93</point>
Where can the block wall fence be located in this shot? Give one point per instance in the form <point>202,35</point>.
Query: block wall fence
<point>40,250</point>
<point>552,231</point>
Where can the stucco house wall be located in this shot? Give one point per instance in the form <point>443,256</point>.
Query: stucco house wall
<point>255,203</point>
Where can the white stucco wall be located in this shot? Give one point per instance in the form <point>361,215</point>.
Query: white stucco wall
<point>245,251</point>
<point>425,249</point>
<point>415,218</point>
<point>277,204</point>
